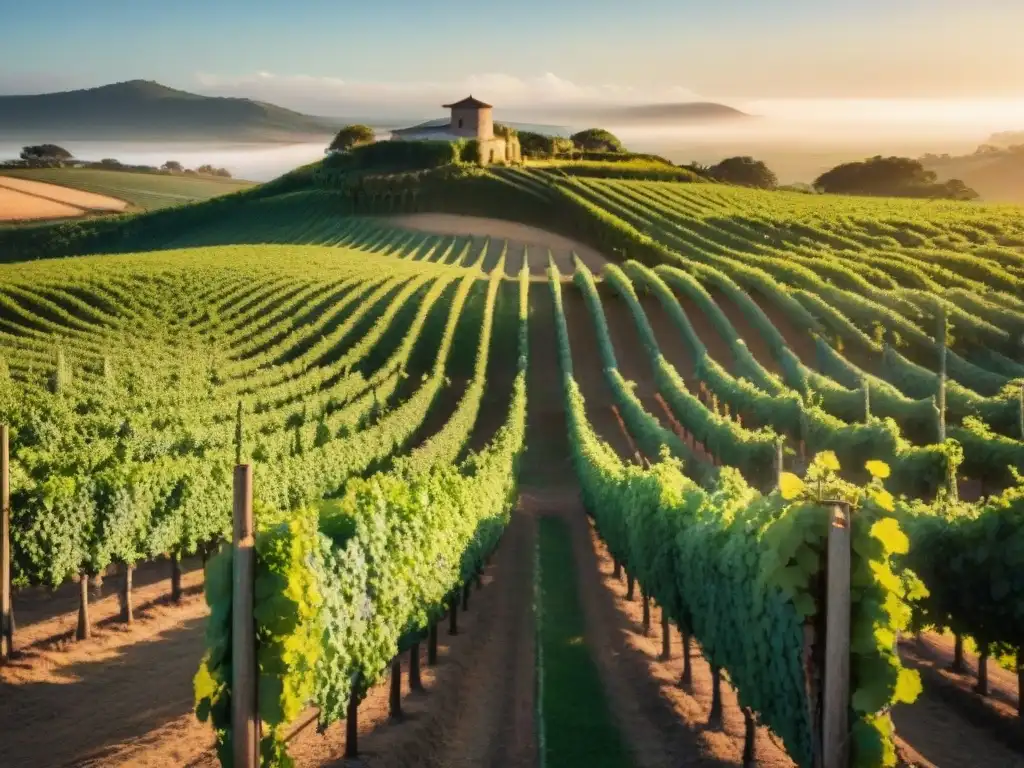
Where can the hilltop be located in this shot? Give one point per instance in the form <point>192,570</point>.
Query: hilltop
<point>1006,138</point>
<point>142,109</point>
<point>692,111</point>
<point>997,174</point>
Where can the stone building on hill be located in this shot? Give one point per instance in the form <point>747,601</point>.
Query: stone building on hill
<point>471,119</point>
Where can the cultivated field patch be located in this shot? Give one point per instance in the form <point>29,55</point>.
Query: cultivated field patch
<point>18,206</point>
<point>89,201</point>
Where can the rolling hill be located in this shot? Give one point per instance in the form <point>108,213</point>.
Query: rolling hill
<point>685,112</point>
<point>142,109</point>
<point>997,175</point>
<point>366,332</point>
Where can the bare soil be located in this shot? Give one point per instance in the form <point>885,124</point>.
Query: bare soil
<point>706,331</point>
<point>933,733</point>
<point>666,725</point>
<point>798,339</point>
<point>514,260</point>
<point>547,461</point>
<point>501,367</point>
<point>124,697</point>
<point>538,241</point>
<point>746,331</point>
<point>88,703</point>
<point>88,201</point>
<point>937,649</point>
<point>634,362</point>
<point>588,370</point>
<point>17,206</point>
<point>982,724</point>
<point>670,340</point>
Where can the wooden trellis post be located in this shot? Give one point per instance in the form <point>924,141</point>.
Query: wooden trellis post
<point>6,614</point>
<point>835,725</point>
<point>244,723</point>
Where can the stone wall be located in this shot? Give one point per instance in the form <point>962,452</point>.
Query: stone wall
<point>492,151</point>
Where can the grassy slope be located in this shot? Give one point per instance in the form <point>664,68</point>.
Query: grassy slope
<point>577,720</point>
<point>141,109</point>
<point>148,191</point>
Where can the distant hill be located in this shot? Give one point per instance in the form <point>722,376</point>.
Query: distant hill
<point>145,110</point>
<point>995,174</point>
<point>693,111</point>
<point>1006,139</point>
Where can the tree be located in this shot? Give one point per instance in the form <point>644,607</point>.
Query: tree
<point>109,162</point>
<point>893,177</point>
<point>745,171</point>
<point>45,152</point>
<point>596,140</point>
<point>172,166</point>
<point>561,145</point>
<point>352,136</point>
<point>698,168</point>
<point>542,145</point>
<point>954,189</point>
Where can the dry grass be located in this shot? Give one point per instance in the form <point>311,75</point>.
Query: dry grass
<point>17,206</point>
<point>64,195</point>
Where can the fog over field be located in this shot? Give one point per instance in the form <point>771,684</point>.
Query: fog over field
<point>802,138</point>
<point>798,138</point>
<point>256,162</point>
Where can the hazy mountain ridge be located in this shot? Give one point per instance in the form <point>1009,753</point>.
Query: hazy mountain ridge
<point>1006,139</point>
<point>691,111</point>
<point>142,109</point>
<point>996,174</point>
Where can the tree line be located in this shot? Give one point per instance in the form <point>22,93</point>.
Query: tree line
<point>875,176</point>
<point>54,156</point>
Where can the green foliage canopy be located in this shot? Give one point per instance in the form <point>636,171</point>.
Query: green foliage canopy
<point>597,140</point>
<point>352,136</point>
<point>540,144</point>
<point>45,152</point>
<point>891,176</point>
<point>745,171</point>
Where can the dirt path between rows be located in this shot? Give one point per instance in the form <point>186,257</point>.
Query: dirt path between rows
<point>949,724</point>
<point>487,720</point>
<point>124,697</point>
<point>519,236</point>
<point>666,725</point>
<point>123,693</point>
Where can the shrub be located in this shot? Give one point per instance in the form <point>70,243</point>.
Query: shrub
<point>597,139</point>
<point>891,177</point>
<point>352,136</point>
<point>745,171</point>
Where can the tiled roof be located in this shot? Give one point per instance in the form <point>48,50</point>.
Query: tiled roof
<point>468,103</point>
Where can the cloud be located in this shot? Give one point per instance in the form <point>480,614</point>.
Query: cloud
<point>545,91</point>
